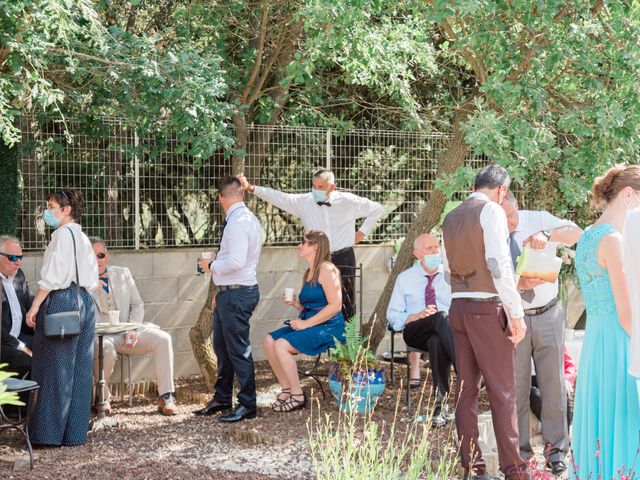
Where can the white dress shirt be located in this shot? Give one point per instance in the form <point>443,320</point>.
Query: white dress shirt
<point>58,267</point>
<point>338,221</point>
<point>529,223</point>
<point>14,305</point>
<point>239,252</point>
<point>495,233</point>
<point>631,265</point>
<point>408,295</point>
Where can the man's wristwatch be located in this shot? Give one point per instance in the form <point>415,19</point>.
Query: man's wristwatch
<point>546,233</point>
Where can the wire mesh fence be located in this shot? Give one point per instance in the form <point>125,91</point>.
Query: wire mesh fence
<point>144,193</point>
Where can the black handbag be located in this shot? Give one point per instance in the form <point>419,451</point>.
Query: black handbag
<point>65,324</point>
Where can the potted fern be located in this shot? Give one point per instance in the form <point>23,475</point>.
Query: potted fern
<point>354,378</point>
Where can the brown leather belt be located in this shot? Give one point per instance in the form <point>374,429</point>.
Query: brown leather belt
<point>494,299</point>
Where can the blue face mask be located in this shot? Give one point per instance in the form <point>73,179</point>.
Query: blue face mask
<point>319,195</point>
<point>50,219</point>
<point>433,261</point>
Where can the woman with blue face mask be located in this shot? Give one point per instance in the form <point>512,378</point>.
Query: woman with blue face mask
<point>62,366</point>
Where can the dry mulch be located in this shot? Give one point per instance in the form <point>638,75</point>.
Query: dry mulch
<point>145,444</point>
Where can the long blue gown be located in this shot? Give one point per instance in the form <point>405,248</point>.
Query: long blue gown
<point>606,422</point>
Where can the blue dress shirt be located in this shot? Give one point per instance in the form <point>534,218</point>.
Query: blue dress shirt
<point>408,295</point>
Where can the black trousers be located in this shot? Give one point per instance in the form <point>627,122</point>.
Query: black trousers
<point>232,347</point>
<point>535,401</point>
<point>345,260</point>
<point>433,334</point>
<point>18,361</point>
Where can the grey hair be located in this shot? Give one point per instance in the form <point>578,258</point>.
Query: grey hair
<point>491,176</point>
<point>97,240</point>
<point>326,175</point>
<point>511,198</point>
<point>4,239</point>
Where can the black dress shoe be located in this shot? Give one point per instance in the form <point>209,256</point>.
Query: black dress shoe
<point>557,467</point>
<point>214,406</point>
<point>240,413</point>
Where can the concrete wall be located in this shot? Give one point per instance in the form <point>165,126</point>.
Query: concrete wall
<point>174,295</point>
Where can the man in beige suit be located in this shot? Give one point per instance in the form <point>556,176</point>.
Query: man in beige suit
<point>119,292</point>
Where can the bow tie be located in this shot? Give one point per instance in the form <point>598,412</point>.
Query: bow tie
<point>326,204</point>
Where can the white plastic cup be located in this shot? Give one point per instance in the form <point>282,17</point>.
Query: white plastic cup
<point>114,317</point>
<point>288,294</point>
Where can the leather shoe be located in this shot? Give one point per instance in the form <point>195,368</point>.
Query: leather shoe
<point>212,407</point>
<point>557,467</point>
<point>240,413</point>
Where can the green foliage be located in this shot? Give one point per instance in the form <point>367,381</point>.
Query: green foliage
<point>9,193</point>
<point>7,398</point>
<point>353,354</point>
<point>363,448</point>
<point>557,98</point>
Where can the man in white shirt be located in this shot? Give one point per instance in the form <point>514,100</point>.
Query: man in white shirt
<point>486,318</point>
<point>17,336</point>
<point>334,213</point>
<point>234,273</point>
<point>631,262</point>
<point>119,292</point>
<point>544,338</point>
<point>419,307</point>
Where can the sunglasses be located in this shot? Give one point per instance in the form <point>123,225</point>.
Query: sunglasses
<point>12,258</point>
<point>101,255</point>
<point>306,241</point>
<point>63,195</point>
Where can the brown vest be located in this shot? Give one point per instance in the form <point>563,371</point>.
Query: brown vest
<point>464,242</point>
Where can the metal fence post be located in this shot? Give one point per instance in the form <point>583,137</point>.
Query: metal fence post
<point>328,167</point>
<point>136,163</point>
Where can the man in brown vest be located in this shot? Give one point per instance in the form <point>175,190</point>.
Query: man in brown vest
<point>486,319</point>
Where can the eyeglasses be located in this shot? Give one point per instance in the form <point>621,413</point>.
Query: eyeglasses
<point>12,258</point>
<point>101,255</point>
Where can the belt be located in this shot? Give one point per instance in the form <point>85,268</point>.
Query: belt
<point>494,299</point>
<point>342,250</point>
<point>224,288</point>
<point>539,310</point>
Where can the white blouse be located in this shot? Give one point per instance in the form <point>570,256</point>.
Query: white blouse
<point>631,265</point>
<point>58,267</point>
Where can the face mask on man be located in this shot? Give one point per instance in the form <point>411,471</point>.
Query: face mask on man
<point>433,261</point>
<point>319,195</point>
<point>50,219</point>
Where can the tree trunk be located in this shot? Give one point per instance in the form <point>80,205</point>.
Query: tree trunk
<point>201,335</point>
<point>113,218</point>
<point>428,217</point>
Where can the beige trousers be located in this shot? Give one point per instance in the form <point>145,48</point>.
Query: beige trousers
<point>150,339</point>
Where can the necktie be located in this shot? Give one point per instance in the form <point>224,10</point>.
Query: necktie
<point>326,204</point>
<point>514,248</point>
<point>430,292</point>
<point>224,224</point>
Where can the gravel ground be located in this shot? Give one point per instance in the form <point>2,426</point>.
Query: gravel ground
<point>146,445</point>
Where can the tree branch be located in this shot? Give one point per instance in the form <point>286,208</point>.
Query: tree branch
<point>260,52</point>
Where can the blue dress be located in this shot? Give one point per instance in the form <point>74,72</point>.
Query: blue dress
<point>314,340</point>
<point>606,422</point>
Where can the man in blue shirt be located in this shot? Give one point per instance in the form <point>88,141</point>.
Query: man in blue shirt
<point>234,273</point>
<point>419,307</point>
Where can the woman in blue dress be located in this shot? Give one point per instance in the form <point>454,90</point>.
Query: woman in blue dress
<point>606,422</point>
<point>319,321</point>
<point>63,366</point>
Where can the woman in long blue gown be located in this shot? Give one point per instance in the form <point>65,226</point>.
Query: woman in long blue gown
<point>606,422</point>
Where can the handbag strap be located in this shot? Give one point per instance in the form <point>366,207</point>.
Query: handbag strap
<point>75,260</point>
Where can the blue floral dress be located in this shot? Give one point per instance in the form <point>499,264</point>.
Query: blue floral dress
<point>314,340</point>
<point>606,422</point>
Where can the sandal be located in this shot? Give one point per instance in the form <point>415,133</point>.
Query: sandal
<point>275,406</point>
<point>291,404</point>
<point>414,383</point>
